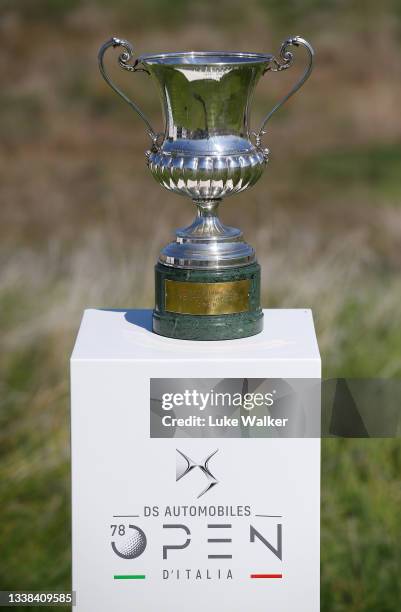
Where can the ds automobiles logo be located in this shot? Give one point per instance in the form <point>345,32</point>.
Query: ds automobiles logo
<point>185,465</point>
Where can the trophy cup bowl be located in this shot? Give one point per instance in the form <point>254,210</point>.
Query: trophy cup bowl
<point>208,279</point>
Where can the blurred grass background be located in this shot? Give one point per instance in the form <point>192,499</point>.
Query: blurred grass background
<point>82,222</point>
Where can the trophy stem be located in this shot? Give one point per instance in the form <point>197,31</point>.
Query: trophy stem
<point>207,224</point>
<point>207,243</point>
<point>207,207</point>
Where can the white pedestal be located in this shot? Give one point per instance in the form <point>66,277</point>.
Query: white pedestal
<point>157,529</point>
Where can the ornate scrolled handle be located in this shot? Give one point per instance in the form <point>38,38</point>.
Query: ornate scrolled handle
<point>124,60</point>
<point>284,61</point>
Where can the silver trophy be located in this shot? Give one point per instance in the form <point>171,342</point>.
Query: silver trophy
<point>207,280</point>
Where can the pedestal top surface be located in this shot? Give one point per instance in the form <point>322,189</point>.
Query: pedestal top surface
<point>127,335</point>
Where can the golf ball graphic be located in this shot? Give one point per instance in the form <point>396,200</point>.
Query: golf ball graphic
<point>132,546</point>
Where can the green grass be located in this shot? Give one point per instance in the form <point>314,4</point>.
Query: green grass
<point>360,557</point>
<point>375,168</point>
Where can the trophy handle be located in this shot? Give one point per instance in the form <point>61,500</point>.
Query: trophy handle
<point>283,62</point>
<point>123,59</point>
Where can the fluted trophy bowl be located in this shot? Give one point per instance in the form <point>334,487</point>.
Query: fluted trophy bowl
<point>207,152</point>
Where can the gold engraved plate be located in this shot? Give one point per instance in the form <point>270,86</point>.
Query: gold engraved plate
<point>207,298</point>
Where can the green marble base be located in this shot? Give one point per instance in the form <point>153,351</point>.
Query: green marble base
<point>172,295</point>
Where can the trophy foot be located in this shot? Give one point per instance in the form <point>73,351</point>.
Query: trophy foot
<point>207,243</point>
<point>194,304</point>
